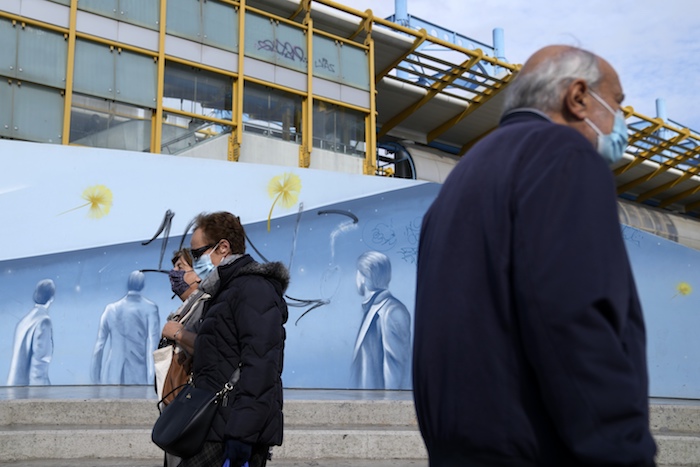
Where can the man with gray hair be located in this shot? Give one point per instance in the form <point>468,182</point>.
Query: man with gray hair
<point>530,345</point>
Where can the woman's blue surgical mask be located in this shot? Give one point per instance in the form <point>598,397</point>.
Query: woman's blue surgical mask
<point>611,146</point>
<point>203,266</point>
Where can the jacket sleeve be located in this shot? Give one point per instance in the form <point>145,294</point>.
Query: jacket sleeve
<point>396,340</point>
<point>258,321</point>
<point>579,316</point>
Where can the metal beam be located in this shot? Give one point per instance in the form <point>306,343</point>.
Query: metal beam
<point>476,102</point>
<point>423,35</point>
<point>638,136</point>
<point>435,88</point>
<point>652,152</point>
<point>674,199</point>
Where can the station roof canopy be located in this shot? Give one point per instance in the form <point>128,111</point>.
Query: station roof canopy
<point>431,91</point>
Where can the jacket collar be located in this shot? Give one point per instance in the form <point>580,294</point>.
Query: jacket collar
<point>524,114</point>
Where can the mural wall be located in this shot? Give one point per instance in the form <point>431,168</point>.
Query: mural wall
<point>88,230</point>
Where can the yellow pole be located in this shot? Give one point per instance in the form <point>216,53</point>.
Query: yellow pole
<point>157,121</point>
<point>308,105</point>
<point>234,152</point>
<point>70,65</point>
<point>370,166</point>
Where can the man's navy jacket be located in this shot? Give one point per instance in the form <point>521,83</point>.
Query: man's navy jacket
<point>529,336</point>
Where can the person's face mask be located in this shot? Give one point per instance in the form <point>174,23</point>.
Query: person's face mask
<point>177,282</point>
<point>611,146</point>
<point>203,266</point>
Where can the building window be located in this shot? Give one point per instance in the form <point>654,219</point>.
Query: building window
<point>31,112</point>
<point>338,129</point>
<point>272,112</point>
<point>115,74</point>
<point>103,123</point>
<point>32,54</point>
<point>141,12</point>
<point>208,22</point>
<point>180,132</point>
<point>190,89</point>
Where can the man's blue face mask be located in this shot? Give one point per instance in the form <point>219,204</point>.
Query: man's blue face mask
<point>612,145</point>
<point>203,266</point>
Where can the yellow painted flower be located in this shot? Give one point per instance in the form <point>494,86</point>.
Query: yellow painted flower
<point>284,188</point>
<point>99,198</point>
<point>684,288</point>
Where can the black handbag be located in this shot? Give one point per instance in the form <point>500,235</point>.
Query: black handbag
<point>184,423</point>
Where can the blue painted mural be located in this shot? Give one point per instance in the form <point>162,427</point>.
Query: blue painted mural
<point>101,231</point>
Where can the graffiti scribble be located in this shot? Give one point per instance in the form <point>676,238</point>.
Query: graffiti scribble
<point>409,255</point>
<point>632,235</point>
<point>284,49</point>
<point>324,64</point>
<point>412,231</point>
<point>384,235</point>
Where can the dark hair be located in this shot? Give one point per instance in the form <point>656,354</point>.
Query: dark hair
<point>222,225</point>
<point>185,254</point>
<point>44,291</point>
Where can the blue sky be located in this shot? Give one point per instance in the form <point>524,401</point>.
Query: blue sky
<point>654,46</point>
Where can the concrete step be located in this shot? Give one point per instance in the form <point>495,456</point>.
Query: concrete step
<point>340,428</point>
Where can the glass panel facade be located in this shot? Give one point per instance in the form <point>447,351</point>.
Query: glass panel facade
<point>8,50</point>
<point>271,112</point>
<point>120,75</point>
<point>141,12</point>
<point>136,76</point>
<point>281,44</point>
<point>102,7</point>
<point>180,133</point>
<point>94,69</point>
<point>42,56</point>
<point>220,25</point>
<point>341,63</point>
<point>105,124</point>
<point>338,129</point>
<point>6,93</point>
<point>37,113</point>
<point>197,91</point>
<point>183,19</point>
<point>355,66</point>
<point>326,58</point>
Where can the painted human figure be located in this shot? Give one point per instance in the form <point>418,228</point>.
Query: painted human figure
<point>132,327</point>
<point>382,354</point>
<point>33,344</point>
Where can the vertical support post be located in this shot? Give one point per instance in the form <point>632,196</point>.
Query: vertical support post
<point>236,139</point>
<point>157,120</point>
<point>308,104</point>
<point>70,73</point>
<point>401,12</point>
<point>661,109</point>
<point>499,47</point>
<point>370,166</point>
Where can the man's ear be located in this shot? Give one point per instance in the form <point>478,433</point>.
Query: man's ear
<point>576,100</point>
<point>225,247</point>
